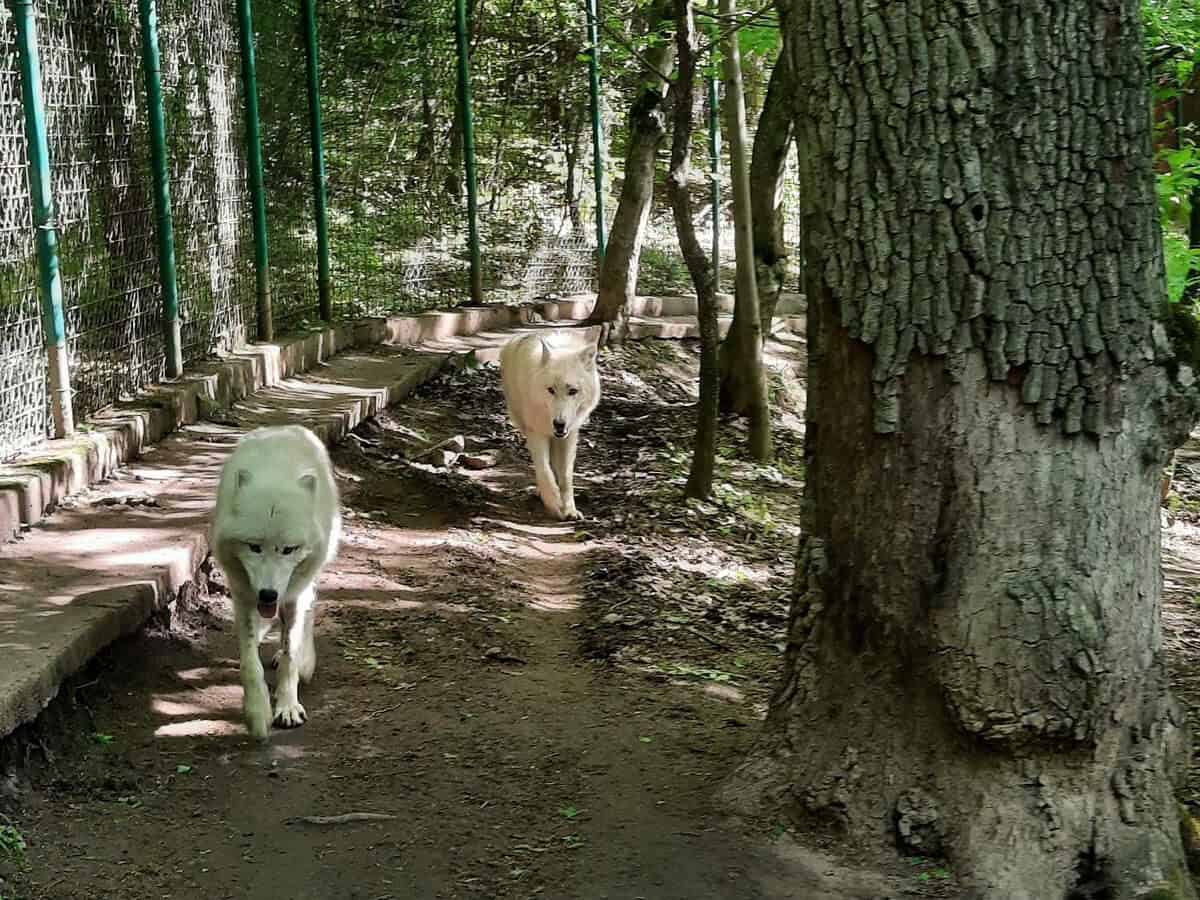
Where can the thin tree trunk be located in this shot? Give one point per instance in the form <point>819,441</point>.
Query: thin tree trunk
<point>575,147</point>
<point>428,137</point>
<point>455,183</point>
<point>1192,291</point>
<point>647,127</point>
<point>682,102</point>
<point>974,663</point>
<point>747,351</point>
<point>768,166</point>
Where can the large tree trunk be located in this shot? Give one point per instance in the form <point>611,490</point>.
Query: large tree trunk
<point>647,127</point>
<point>682,102</point>
<point>768,164</point>
<point>747,381</point>
<point>974,663</point>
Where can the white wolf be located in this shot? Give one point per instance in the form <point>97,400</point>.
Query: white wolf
<point>551,390</point>
<point>276,525</point>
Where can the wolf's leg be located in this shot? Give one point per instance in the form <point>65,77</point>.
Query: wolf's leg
<point>562,454</point>
<point>539,449</point>
<point>307,656</point>
<point>308,646</point>
<point>256,699</point>
<point>288,711</point>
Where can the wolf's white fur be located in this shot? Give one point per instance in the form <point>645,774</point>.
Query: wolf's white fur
<point>551,388</point>
<point>276,526</point>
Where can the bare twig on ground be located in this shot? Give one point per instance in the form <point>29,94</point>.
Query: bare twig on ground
<point>343,819</point>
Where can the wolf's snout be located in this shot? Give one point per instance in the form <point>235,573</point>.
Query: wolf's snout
<point>560,428</point>
<point>268,603</point>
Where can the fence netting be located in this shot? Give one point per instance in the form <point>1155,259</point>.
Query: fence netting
<point>394,148</point>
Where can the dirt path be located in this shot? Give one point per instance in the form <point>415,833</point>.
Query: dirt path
<point>455,692</point>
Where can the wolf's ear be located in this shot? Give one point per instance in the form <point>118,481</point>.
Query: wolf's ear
<point>243,478</point>
<point>308,481</point>
<point>545,352</point>
<point>587,355</point>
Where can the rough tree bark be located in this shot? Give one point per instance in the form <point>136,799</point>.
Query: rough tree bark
<point>746,382</point>
<point>974,660</point>
<point>768,162</point>
<point>647,127</point>
<point>682,103</point>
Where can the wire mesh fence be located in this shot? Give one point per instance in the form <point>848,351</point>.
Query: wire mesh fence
<point>100,181</point>
<point>24,411</point>
<point>214,245</point>
<point>394,150</point>
<point>395,145</point>
<point>283,104</point>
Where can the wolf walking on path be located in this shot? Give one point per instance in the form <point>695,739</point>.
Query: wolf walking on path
<point>276,526</point>
<point>551,389</point>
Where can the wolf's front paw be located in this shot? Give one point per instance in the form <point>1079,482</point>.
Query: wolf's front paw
<point>290,715</point>
<point>570,512</point>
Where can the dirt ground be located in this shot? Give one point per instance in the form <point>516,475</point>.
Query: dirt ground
<point>540,710</point>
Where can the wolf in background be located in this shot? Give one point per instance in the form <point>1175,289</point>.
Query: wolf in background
<point>551,387</point>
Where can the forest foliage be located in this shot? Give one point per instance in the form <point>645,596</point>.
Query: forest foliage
<point>1173,48</point>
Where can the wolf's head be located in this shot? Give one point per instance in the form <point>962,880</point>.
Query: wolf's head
<point>272,531</point>
<point>566,382</point>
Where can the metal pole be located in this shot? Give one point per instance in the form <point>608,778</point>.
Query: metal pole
<point>53,323</point>
<point>324,284</point>
<point>597,129</point>
<point>714,157</point>
<point>151,64</point>
<point>468,137</point>
<point>258,198</point>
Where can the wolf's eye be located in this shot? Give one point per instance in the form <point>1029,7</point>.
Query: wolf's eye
<point>551,390</point>
<point>255,548</point>
<point>571,392</point>
<point>288,551</point>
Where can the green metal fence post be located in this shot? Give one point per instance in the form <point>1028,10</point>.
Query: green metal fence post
<point>258,198</point>
<point>714,157</point>
<point>151,64</point>
<point>54,330</point>
<point>468,136</point>
<point>324,284</point>
<point>597,129</point>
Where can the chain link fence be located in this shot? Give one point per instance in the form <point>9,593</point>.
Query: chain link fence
<point>104,207</point>
<point>24,410</point>
<point>394,158</point>
<point>210,201</point>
